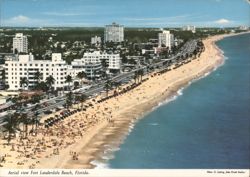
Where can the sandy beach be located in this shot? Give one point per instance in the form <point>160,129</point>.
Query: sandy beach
<point>82,138</point>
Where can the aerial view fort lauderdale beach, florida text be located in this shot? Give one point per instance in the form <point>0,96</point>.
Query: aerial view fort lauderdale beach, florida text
<point>121,94</point>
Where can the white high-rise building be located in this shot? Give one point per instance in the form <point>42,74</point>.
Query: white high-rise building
<point>114,33</point>
<point>26,66</point>
<point>96,40</point>
<point>165,39</point>
<point>20,43</point>
<point>189,28</point>
<point>113,60</point>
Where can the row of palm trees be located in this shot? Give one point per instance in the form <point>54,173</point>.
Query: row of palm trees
<point>138,75</point>
<point>13,121</point>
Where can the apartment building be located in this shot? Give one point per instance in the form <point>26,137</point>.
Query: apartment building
<point>114,33</point>
<point>20,43</point>
<point>165,39</point>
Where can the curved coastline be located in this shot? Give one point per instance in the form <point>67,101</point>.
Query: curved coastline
<point>115,135</point>
<point>106,139</point>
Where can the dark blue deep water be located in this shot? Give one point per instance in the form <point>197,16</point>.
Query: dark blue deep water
<point>206,127</point>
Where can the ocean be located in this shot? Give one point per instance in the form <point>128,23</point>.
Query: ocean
<point>206,126</point>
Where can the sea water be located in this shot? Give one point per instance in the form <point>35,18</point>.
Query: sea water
<point>208,126</point>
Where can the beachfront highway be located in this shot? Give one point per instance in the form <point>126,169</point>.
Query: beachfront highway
<point>59,101</point>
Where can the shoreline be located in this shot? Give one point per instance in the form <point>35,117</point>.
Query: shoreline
<point>165,99</point>
<point>125,111</point>
<point>117,135</point>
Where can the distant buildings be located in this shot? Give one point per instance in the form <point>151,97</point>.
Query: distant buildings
<point>114,33</point>
<point>20,43</point>
<point>113,60</point>
<point>243,28</point>
<point>96,40</point>
<point>189,28</point>
<point>165,39</point>
<point>25,66</point>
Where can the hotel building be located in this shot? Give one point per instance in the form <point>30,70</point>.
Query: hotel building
<point>25,66</point>
<point>20,43</point>
<point>114,33</point>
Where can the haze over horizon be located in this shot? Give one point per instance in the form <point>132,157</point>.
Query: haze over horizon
<point>131,13</point>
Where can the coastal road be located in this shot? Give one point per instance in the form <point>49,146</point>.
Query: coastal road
<point>59,101</point>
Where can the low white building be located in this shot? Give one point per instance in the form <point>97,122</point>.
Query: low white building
<point>113,60</point>
<point>189,28</point>
<point>25,66</point>
<point>244,28</point>
<point>96,40</point>
<point>92,70</point>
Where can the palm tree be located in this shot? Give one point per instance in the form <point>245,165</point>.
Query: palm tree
<point>24,119</point>
<point>83,98</point>
<point>50,81</point>
<point>104,66</point>
<point>136,75</point>
<point>35,118</point>
<point>108,85</point>
<point>24,82</point>
<point>69,99</point>
<point>38,77</point>
<point>12,125</point>
<point>68,80</point>
<point>3,78</point>
<point>140,74</point>
<point>116,84</point>
<point>81,75</point>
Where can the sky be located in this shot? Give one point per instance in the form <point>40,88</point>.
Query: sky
<point>131,13</point>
